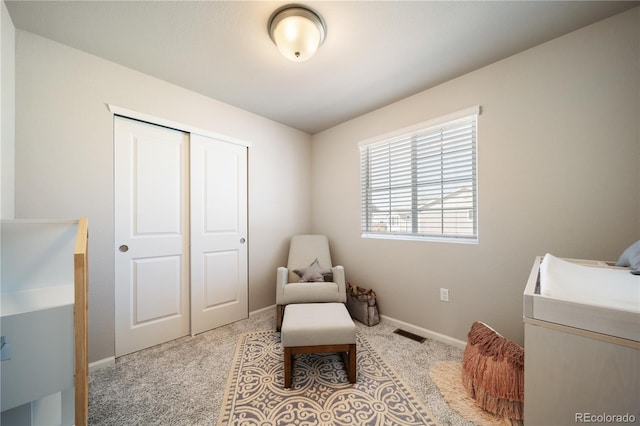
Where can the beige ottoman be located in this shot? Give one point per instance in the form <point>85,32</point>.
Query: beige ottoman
<point>318,328</point>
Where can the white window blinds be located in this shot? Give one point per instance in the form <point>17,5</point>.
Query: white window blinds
<point>422,183</point>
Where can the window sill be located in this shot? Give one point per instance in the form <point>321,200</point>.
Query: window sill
<point>404,237</point>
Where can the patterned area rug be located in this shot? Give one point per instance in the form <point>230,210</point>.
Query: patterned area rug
<point>321,393</point>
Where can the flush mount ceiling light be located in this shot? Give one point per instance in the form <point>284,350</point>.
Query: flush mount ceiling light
<point>297,31</point>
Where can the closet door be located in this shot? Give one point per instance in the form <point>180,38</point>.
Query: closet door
<point>218,233</point>
<point>151,235</point>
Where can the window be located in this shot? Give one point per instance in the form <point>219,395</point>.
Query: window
<point>422,182</point>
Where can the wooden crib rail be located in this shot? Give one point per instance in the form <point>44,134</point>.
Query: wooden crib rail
<point>81,320</point>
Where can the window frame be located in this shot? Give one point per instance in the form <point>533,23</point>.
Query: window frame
<point>407,136</point>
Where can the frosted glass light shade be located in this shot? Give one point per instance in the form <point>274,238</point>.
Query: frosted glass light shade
<point>297,31</point>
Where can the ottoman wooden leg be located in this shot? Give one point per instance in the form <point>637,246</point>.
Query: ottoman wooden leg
<point>287,367</point>
<point>349,359</point>
<point>352,363</point>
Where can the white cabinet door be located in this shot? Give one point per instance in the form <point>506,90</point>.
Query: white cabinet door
<point>151,235</point>
<point>218,233</point>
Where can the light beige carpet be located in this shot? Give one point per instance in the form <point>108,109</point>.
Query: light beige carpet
<point>183,382</point>
<point>447,377</point>
<point>321,393</point>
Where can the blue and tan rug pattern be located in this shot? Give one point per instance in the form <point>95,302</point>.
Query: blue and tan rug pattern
<point>321,393</point>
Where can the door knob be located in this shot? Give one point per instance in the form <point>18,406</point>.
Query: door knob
<point>124,248</point>
<point>242,240</point>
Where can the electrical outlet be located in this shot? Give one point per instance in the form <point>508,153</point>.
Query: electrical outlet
<point>444,294</point>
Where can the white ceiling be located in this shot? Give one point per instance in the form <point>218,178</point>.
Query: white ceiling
<point>375,52</point>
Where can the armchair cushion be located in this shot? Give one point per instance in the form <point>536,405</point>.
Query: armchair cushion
<point>310,292</point>
<point>304,249</point>
<point>296,292</point>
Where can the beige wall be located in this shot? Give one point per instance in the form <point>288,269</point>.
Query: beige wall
<point>64,162</point>
<point>7,112</point>
<point>559,157</point>
<point>559,172</point>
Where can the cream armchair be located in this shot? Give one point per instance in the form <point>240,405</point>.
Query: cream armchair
<point>309,256</point>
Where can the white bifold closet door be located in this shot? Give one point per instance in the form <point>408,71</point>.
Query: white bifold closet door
<point>180,234</point>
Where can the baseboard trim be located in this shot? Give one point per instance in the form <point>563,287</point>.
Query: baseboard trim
<point>106,362</point>
<point>425,332</point>
<point>101,363</point>
<point>262,310</point>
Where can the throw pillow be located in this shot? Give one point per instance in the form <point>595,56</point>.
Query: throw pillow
<point>631,257</point>
<point>312,273</point>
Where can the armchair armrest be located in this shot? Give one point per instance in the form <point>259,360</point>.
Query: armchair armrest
<point>338,278</point>
<point>282,278</point>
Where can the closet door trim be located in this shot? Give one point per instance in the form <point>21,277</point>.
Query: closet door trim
<point>136,115</point>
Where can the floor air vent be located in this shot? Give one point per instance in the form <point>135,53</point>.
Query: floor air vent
<point>409,335</point>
